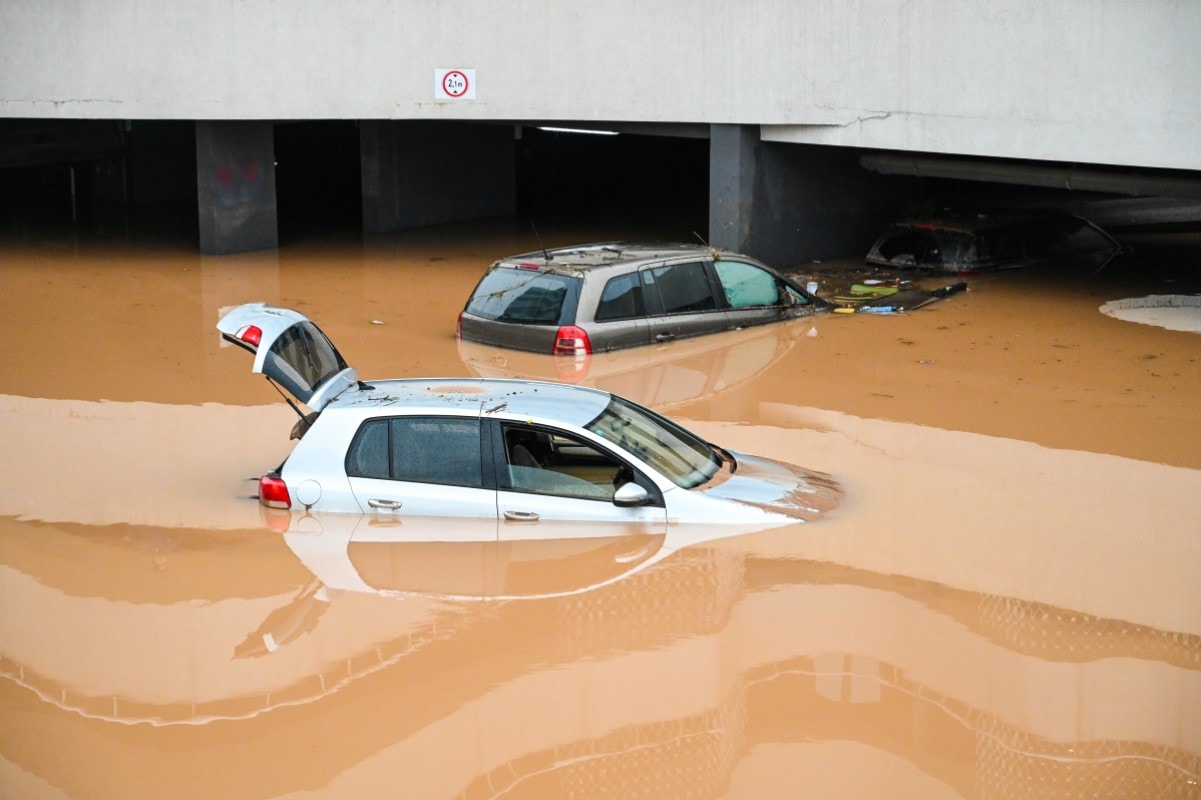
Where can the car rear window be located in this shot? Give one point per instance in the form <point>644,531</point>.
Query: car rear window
<point>302,358</point>
<point>926,247</point>
<point>507,294</point>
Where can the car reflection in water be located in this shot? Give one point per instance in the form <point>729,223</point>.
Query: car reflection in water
<point>659,376</point>
<point>458,558</point>
<point>450,558</point>
<point>1017,699</point>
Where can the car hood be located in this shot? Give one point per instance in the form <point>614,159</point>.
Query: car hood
<point>778,488</point>
<point>290,350</point>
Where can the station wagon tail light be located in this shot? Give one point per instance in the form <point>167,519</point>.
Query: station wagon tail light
<point>571,341</point>
<point>251,334</point>
<point>273,492</point>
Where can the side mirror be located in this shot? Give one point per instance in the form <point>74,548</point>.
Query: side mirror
<point>630,494</point>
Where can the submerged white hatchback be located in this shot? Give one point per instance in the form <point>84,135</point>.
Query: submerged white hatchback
<point>505,449</point>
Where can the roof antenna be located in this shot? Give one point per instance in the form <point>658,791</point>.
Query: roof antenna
<point>545,254</point>
<point>708,246</point>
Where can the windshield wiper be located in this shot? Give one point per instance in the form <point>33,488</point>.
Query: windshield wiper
<point>725,455</point>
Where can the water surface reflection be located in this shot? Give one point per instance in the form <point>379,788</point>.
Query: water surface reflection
<point>720,665</point>
<point>1005,605</point>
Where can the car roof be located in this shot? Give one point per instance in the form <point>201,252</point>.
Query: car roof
<point>978,221</point>
<point>607,254</point>
<point>516,399</point>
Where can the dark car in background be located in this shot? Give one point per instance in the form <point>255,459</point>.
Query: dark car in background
<point>967,242</point>
<point>599,297</point>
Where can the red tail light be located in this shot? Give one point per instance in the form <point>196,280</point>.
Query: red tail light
<point>459,327</point>
<point>571,341</point>
<point>273,492</point>
<point>251,334</point>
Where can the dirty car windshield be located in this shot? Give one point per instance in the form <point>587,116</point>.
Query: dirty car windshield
<point>675,452</point>
<point>523,296</point>
<point>302,359</point>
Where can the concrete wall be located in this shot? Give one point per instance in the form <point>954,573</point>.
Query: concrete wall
<point>1095,81</point>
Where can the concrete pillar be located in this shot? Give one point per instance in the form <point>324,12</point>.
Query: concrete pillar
<point>380,176</point>
<point>789,204</point>
<point>418,173</point>
<point>110,197</point>
<point>733,158</point>
<point>235,184</point>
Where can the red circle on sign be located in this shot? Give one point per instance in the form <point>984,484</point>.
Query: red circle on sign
<point>449,81</point>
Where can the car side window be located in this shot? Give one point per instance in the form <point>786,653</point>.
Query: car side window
<point>541,462</point>
<point>443,450</point>
<point>684,288</point>
<point>368,454</point>
<point>746,285</point>
<point>621,299</point>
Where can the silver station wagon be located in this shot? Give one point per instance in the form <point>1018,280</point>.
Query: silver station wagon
<point>504,449</point>
<point>598,297</point>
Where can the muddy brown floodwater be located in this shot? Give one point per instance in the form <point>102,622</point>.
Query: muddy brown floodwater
<point>1005,605</point>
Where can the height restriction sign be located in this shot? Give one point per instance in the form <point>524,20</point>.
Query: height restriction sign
<point>454,84</point>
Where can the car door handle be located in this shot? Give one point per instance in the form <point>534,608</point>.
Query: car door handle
<point>664,337</point>
<point>384,503</point>
<point>522,516</point>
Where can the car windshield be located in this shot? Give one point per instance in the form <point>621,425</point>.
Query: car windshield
<point>522,296</point>
<point>671,450</point>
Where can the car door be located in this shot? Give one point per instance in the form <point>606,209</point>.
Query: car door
<point>683,299</point>
<point>754,295</point>
<point>549,475</point>
<point>290,350</point>
<point>619,318</point>
<point>415,466</point>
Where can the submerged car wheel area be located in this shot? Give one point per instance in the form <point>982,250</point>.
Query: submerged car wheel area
<point>521,451</point>
<point>598,297</point>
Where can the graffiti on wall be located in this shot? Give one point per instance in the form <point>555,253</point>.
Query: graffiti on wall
<point>239,181</point>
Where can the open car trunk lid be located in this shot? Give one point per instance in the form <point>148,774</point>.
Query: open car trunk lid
<point>290,350</point>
